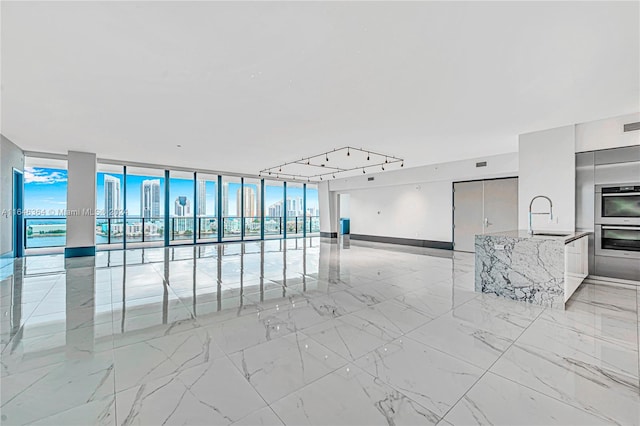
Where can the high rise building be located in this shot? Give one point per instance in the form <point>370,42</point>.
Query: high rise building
<point>250,207</point>
<point>150,198</point>
<point>225,199</point>
<point>275,210</point>
<point>201,201</point>
<point>182,206</point>
<point>111,196</point>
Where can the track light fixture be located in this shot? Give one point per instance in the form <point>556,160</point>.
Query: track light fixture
<point>337,165</point>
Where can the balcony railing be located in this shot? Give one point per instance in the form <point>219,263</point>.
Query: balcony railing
<point>139,229</point>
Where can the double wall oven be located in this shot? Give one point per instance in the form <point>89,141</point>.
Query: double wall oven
<point>617,224</point>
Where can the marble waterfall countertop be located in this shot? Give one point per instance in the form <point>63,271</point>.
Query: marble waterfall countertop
<point>534,268</point>
<point>565,237</point>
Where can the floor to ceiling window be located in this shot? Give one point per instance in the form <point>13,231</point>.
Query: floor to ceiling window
<point>145,205</point>
<point>45,202</point>
<point>207,207</point>
<point>273,208</point>
<point>231,208</point>
<point>110,227</point>
<point>313,210</point>
<point>182,205</point>
<point>295,209</point>
<point>251,208</point>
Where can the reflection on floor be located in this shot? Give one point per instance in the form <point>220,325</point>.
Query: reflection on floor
<point>305,332</point>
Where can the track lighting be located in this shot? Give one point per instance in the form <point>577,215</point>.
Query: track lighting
<point>383,167</point>
<point>386,160</point>
<point>363,172</point>
<point>334,176</point>
<point>320,177</point>
<point>269,172</point>
<point>280,169</point>
<point>308,161</point>
<point>402,164</point>
<point>348,153</point>
<point>368,155</point>
<point>326,157</point>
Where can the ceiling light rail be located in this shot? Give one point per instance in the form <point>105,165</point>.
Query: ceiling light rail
<point>340,159</point>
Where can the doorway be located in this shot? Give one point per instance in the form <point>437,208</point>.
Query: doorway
<point>482,207</point>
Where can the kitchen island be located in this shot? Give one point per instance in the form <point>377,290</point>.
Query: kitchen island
<point>543,269</point>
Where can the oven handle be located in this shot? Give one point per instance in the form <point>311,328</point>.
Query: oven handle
<point>621,194</point>
<point>630,228</point>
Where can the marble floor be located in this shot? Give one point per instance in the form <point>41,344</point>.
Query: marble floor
<point>305,332</point>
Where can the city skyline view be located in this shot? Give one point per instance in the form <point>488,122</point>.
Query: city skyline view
<point>46,189</point>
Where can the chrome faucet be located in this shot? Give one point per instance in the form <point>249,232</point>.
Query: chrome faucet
<point>550,212</point>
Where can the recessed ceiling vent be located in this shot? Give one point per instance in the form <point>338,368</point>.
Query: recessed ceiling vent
<point>370,178</point>
<point>632,126</point>
<point>481,164</point>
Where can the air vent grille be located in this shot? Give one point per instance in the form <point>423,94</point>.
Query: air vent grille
<point>630,127</point>
<point>370,178</point>
<point>481,164</point>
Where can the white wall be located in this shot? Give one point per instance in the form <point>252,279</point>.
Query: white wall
<point>547,167</point>
<point>420,211</point>
<point>607,133</point>
<point>81,194</point>
<point>10,157</point>
<point>415,202</point>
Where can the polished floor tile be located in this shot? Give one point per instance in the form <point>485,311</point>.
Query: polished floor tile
<point>305,332</point>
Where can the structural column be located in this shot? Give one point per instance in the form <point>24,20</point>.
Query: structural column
<point>81,204</point>
<point>329,211</point>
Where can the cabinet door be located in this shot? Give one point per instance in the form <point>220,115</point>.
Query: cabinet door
<point>467,214</point>
<point>500,205</point>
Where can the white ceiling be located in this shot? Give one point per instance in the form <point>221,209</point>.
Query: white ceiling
<point>243,86</point>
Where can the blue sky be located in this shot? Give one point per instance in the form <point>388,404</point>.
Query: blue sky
<point>46,188</point>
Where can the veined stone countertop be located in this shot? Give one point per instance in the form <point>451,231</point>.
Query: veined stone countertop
<point>530,268</point>
<point>566,237</point>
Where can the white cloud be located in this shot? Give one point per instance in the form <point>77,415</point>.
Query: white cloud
<point>43,176</point>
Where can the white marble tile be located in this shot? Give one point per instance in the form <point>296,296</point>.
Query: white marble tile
<point>614,397</point>
<point>164,401</point>
<point>498,401</point>
<point>219,386</point>
<point>339,303</point>
<point>50,390</point>
<point>347,340</point>
<point>607,296</point>
<point>597,349</point>
<point>350,396</point>
<point>101,412</point>
<point>162,357</point>
<point>250,330</point>
<point>462,339</point>
<point>387,320</point>
<point>282,366</point>
<point>262,417</point>
<point>430,377</point>
<point>427,303</point>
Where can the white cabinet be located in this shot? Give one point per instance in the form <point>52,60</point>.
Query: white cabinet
<point>576,264</point>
